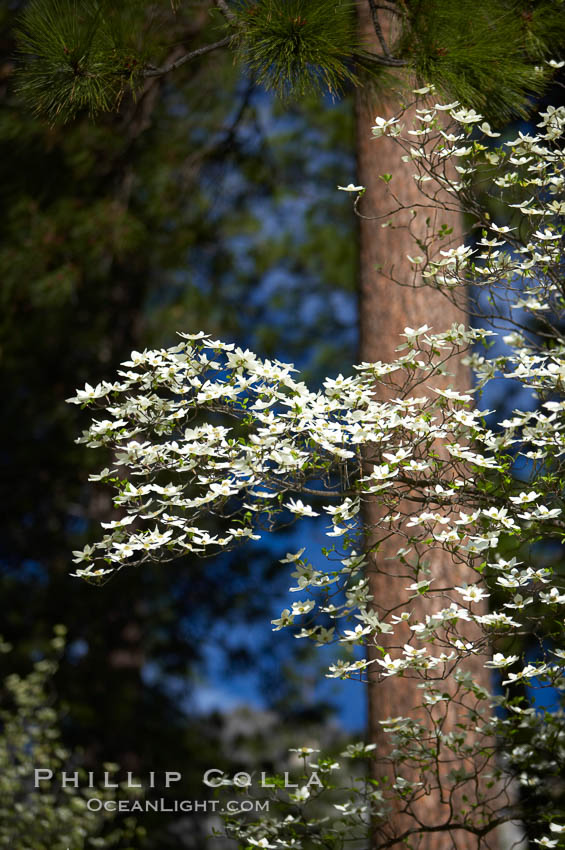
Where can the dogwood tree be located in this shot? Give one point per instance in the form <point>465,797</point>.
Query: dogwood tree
<point>93,56</point>
<point>42,814</point>
<point>205,429</point>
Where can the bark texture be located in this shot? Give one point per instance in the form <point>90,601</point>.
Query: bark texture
<point>385,309</point>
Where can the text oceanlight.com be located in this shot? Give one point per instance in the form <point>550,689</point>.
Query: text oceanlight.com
<point>95,804</point>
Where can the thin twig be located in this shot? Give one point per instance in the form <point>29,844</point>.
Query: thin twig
<point>188,57</point>
<point>387,8</point>
<point>383,60</point>
<point>378,29</point>
<point>223,7</point>
<point>222,140</point>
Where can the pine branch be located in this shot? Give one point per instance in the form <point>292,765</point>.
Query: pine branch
<point>480,52</point>
<point>188,57</point>
<point>472,51</point>
<point>299,46</point>
<point>79,57</point>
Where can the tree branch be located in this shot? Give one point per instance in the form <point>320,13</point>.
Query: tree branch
<point>387,58</point>
<point>378,29</point>
<point>387,8</point>
<point>188,57</point>
<point>222,140</point>
<point>223,7</point>
<point>383,60</point>
<point>447,827</point>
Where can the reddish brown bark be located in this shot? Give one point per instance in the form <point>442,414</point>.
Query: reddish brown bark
<point>385,309</point>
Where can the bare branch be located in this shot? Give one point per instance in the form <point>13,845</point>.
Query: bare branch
<point>221,142</point>
<point>378,29</point>
<point>188,57</point>
<point>388,8</point>
<point>392,61</point>
<point>387,58</point>
<point>223,7</point>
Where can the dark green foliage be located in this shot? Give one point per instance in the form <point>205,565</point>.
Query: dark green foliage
<point>30,739</point>
<point>484,52</point>
<point>82,55</point>
<point>177,212</point>
<point>85,55</point>
<point>296,46</point>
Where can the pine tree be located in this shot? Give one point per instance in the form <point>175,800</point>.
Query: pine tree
<point>387,305</point>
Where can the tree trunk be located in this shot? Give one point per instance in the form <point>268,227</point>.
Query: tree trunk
<point>385,309</point>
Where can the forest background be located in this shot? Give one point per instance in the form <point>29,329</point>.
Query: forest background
<point>207,204</point>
